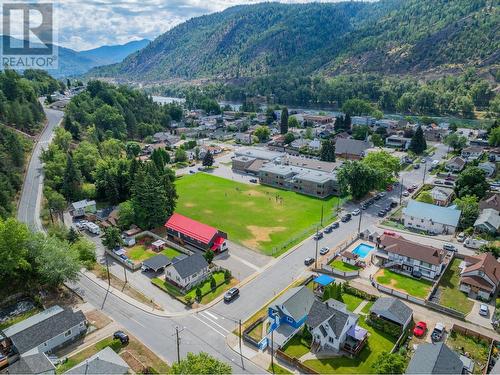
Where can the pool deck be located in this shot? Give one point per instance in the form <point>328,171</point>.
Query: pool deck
<point>362,254</point>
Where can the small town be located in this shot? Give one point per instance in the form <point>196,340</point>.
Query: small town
<point>170,215</point>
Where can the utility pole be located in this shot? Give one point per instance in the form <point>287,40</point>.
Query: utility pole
<point>178,343</point>
<point>316,257</point>
<point>272,350</point>
<point>241,352</point>
<point>359,224</point>
<point>107,269</point>
<point>425,170</point>
<point>125,272</point>
<point>401,192</point>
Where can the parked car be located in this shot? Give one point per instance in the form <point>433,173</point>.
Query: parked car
<point>335,225</point>
<point>406,193</point>
<point>377,197</point>
<point>394,204</point>
<point>365,206</point>
<point>449,183</point>
<point>474,243</point>
<point>324,250</point>
<point>414,186</point>
<point>231,294</point>
<point>253,180</point>
<point>308,261</point>
<point>484,310</point>
<point>420,329</point>
<point>416,166</point>
<point>318,236</point>
<point>438,332</point>
<point>438,182</point>
<point>356,212</point>
<point>122,336</point>
<point>461,237</point>
<point>389,232</point>
<point>328,229</point>
<point>449,247</point>
<point>381,194</point>
<point>416,274</point>
<point>346,218</point>
<point>381,213</point>
<point>192,171</point>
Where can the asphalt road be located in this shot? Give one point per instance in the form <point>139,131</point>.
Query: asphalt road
<point>29,204</point>
<point>205,331</point>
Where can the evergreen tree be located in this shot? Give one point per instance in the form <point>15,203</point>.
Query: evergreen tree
<point>284,121</point>
<point>339,124</point>
<point>327,152</point>
<point>72,181</point>
<point>208,159</point>
<point>347,122</point>
<point>418,143</point>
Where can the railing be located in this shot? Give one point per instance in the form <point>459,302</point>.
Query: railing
<point>346,274</point>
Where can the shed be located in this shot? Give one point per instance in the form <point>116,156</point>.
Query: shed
<point>158,245</point>
<point>393,310</point>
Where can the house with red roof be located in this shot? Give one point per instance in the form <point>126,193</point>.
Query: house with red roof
<point>480,276</point>
<point>187,231</point>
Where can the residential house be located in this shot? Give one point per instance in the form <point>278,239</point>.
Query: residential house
<point>45,332</point>
<point>455,165</point>
<point>472,152</point>
<point>187,271</point>
<point>430,218</point>
<point>299,143</point>
<point>442,196</point>
<point>435,358</point>
<point>288,313</point>
<point>33,364</point>
<point>434,134</point>
<point>393,310</point>
<point>480,276</point>
<point>334,328</point>
<point>351,149</point>
<point>104,362</point>
<point>243,138</point>
<point>317,119</point>
<point>362,120</point>
<point>165,138</point>
<point>184,230</point>
<point>315,145</point>
<point>400,254</point>
<point>83,207</point>
<point>492,201</point>
<point>488,221</point>
<point>349,257</point>
<point>488,168</point>
<point>396,141</point>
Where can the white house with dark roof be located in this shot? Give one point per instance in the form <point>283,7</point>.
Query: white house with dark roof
<point>488,221</point>
<point>456,164</point>
<point>334,328</point>
<point>472,152</point>
<point>351,149</point>
<point>187,271</point>
<point>480,276</point>
<point>82,207</point>
<point>44,332</point>
<point>104,362</point>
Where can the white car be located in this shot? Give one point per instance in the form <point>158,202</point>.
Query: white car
<point>484,310</point>
<point>461,237</point>
<point>356,212</point>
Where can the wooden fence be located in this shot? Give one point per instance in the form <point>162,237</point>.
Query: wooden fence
<point>294,362</point>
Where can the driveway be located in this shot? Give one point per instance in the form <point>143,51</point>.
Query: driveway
<point>474,316</point>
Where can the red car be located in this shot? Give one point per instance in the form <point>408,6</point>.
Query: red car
<point>389,233</point>
<point>420,329</point>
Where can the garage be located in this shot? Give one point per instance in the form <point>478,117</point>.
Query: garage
<point>156,263</point>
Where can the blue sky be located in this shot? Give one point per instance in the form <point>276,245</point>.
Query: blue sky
<point>85,24</point>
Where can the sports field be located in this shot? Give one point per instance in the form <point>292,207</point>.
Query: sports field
<point>258,217</point>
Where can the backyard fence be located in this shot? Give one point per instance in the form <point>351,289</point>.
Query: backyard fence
<point>246,333</point>
<point>294,362</point>
<point>399,294</point>
<point>333,271</point>
<point>126,263</point>
<point>170,243</point>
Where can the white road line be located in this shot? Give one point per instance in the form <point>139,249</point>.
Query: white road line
<point>135,320</point>
<point>208,325</point>
<point>212,315</point>
<point>218,325</point>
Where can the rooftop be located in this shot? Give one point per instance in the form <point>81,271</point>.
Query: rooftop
<point>434,359</point>
<point>258,153</point>
<point>191,228</point>
<point>442,215</point>
<point>402,246</point>
<point>189,265</point>
<point>393,309</point>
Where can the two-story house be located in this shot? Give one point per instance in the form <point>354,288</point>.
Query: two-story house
<point>430,218</point>
<point>455,165</point>
<point>187,271</point>
<point>334,328</point>
<point>400,254</point>
<point>480,276</point>
<point>288,313</point>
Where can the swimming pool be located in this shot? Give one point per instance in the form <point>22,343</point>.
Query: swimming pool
<point>362,250</point>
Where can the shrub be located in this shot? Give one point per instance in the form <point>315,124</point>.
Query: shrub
<point>198,294</point>
<point>189,300</point>
<point>227,275</point>
<point>346,288</point>
<point>384,326</point>
<point>116,345</point>
<point>213,283</point>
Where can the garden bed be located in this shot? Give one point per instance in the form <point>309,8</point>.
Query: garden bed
<point>477,349</point>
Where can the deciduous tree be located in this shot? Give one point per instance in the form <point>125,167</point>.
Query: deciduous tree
<point>200,363</point>
<point>472,181</point>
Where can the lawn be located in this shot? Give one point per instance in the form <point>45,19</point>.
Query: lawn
<point>258,217</point>
<point>277,369</point>
<point>19,318</point>
<point>256,332</point>
<point>378,342</point>
<point>415,287</point>
<point>366,308</point>
<point>449,292</point>
<point>207,293</point>
<point>297,346</point>
<point>140,253</point>
<point>477,349</point>
<point>351,301</point>
<point>342,266</point>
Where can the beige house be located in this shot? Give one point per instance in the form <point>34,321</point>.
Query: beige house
<point>480,276</point>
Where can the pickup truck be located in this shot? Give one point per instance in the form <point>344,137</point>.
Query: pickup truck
<point>438,332</point>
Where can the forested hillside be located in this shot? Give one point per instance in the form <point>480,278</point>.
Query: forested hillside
<point>19,109</point>
<point>389,36</point>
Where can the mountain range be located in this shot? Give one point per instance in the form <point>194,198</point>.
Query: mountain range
<point>388,36</point>
<point>75,63</point>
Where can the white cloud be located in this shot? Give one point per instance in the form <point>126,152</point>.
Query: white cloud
<point>85,24</point>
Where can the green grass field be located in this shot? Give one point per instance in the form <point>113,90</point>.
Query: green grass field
<point>140,253</point>
<point>258,217</point>
<point>449,289</point>
<point>342,266</point>
<point>415,287</point>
